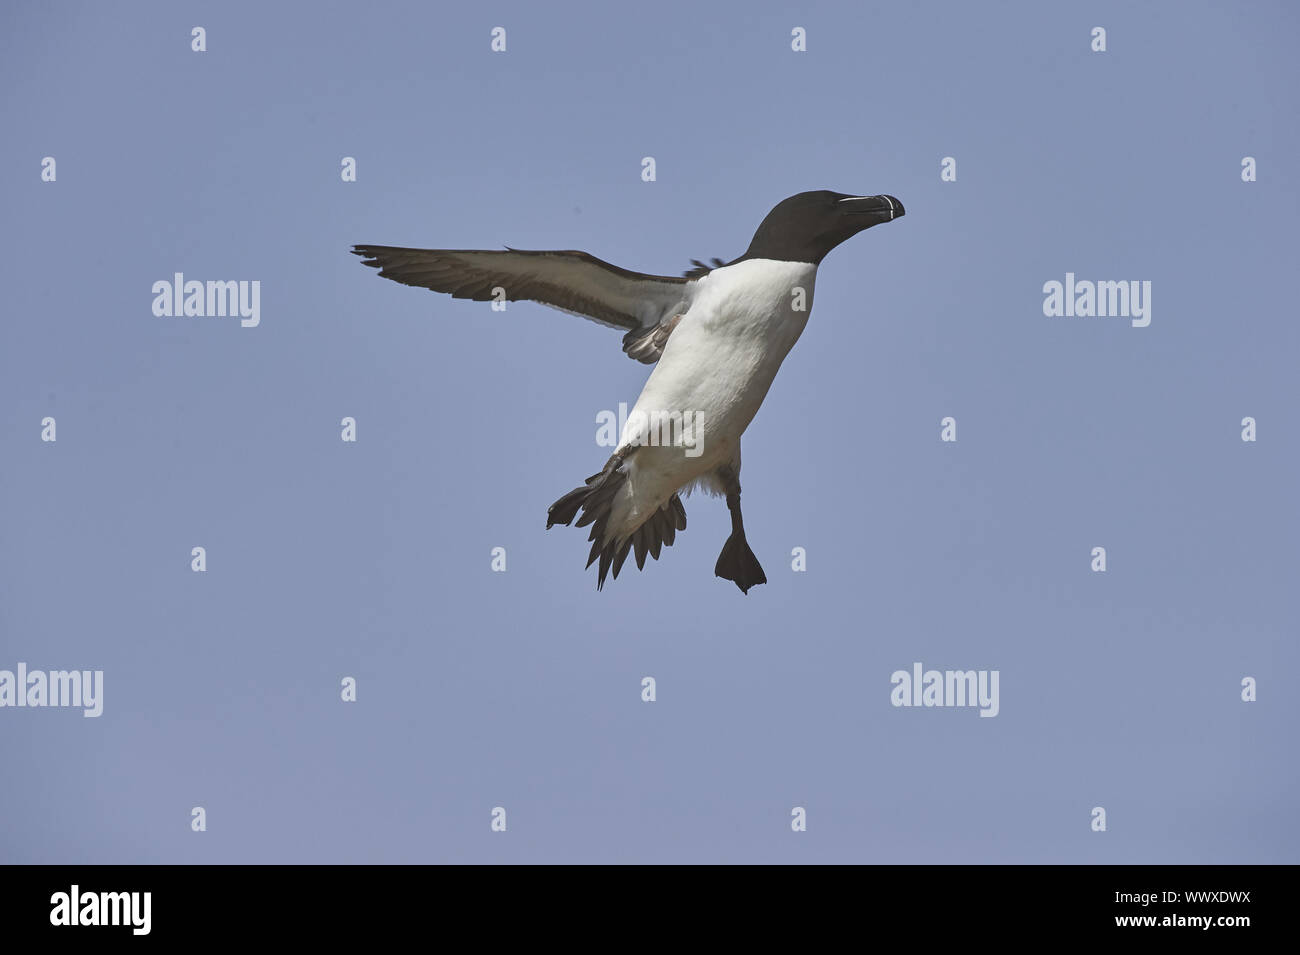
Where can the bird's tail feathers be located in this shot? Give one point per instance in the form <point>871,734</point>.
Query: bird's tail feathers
<point>593,504</point>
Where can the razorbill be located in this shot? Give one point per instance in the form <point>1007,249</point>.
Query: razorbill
<point>718,335</point>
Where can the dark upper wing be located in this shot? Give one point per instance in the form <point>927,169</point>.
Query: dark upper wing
<point>575,282</point>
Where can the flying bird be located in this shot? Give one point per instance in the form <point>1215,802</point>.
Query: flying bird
<point>716,336</point>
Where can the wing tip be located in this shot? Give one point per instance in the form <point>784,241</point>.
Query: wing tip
<point>368,255</point>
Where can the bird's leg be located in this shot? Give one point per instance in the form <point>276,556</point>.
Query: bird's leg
<point>737,562</point>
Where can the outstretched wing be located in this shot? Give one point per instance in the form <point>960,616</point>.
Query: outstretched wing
<point>645,306</point>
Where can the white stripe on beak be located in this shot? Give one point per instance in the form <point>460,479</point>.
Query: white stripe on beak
<point>886,198</point>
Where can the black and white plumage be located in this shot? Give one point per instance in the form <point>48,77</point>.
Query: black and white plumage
<point>717,337</point>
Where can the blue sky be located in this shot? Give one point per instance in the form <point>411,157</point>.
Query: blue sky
<point>522,689</point>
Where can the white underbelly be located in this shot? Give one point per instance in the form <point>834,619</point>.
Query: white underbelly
<point>714,373</point>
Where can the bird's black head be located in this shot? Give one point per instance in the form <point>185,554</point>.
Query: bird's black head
<point>805,227</point>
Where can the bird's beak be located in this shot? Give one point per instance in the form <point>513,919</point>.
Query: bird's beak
<point>878,208</point>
